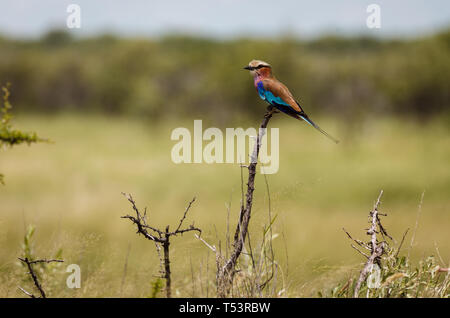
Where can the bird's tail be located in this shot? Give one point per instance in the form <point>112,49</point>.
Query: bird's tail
<point>309,121</point>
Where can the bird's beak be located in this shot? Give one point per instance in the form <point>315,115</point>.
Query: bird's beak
<point>248,68</point>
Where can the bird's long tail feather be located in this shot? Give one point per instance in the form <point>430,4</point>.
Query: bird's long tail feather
<point>309,121</point>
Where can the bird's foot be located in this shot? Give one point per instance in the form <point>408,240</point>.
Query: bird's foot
<point>270,111</point>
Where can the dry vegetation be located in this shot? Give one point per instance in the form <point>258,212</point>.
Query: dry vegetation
<point>115,262</point>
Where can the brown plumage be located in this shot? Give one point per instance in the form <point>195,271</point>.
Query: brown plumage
<point>279,89</point>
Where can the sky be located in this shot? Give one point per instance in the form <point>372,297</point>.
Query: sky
<point>224,18</point>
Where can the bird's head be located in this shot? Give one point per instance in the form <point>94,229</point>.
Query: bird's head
<point>257,67</point>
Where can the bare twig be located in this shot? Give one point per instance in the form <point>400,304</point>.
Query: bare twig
<point>26,293</point>
<point>219,260</point>
<point>185,213</point>
<point>359,242</point>
<point>360,252</point>
<point>46,261</point>
<point>376,247</point>
<point>159,237</point>
<point>401,243</point>
<point>211,247</point>
<point>33,274</point>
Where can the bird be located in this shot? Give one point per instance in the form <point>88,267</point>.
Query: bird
<point>277,94</point>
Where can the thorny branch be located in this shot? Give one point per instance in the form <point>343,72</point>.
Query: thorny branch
<point>159,237</point>
<point>227,271</point>
<point>375,247</point>
<point>34,276</point>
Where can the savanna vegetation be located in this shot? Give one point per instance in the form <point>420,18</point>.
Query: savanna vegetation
<point>8,135</point>
<point>109,105</point>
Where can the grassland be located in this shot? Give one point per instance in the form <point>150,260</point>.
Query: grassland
<point>70,190</point>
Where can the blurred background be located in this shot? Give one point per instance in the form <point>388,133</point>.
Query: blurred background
<point>109,94</point>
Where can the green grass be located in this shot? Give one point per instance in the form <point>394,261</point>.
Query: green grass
<point>71,191</point>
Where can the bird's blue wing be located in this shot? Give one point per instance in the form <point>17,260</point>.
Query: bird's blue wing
<point>281,105</point>
<point>275,100</point>
<point>269,97</point>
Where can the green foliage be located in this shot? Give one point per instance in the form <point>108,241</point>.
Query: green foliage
<point>8,135</point>
<point>157,287</point>
<point>27,245</point>
<point>180,76</point>
<point>44,271</point>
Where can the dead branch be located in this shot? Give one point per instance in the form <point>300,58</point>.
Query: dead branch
<point>226,272</point>
<point>46,261</point>
<point>359,242</point>
<point>211,247</point>
<point>159,237</point>
<point>185,213</point>
<point>34,276</point>
<point>219,258</point>
<point>26,293</point>
<point>375,247</point>
<point>401,243</point>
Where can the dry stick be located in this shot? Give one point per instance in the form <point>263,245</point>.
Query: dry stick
<point>184,215</point>
<point>227,271</point>
<point>401,243</point>
<point>167,271</point>
<point>26,293</point>
<point>159,237</point>
<point>33,274</point>
<point>376,249</point>
<point>359,242</point>
<point>219,260</point>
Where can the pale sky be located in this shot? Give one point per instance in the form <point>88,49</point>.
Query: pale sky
<point>224,18</point>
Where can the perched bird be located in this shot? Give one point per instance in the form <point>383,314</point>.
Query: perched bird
<point>277,94</point>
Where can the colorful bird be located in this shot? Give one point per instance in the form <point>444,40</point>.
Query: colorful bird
<point>277,94</point>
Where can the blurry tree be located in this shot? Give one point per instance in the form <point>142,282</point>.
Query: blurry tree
<point>8,135</point>
<point>180,76</point>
